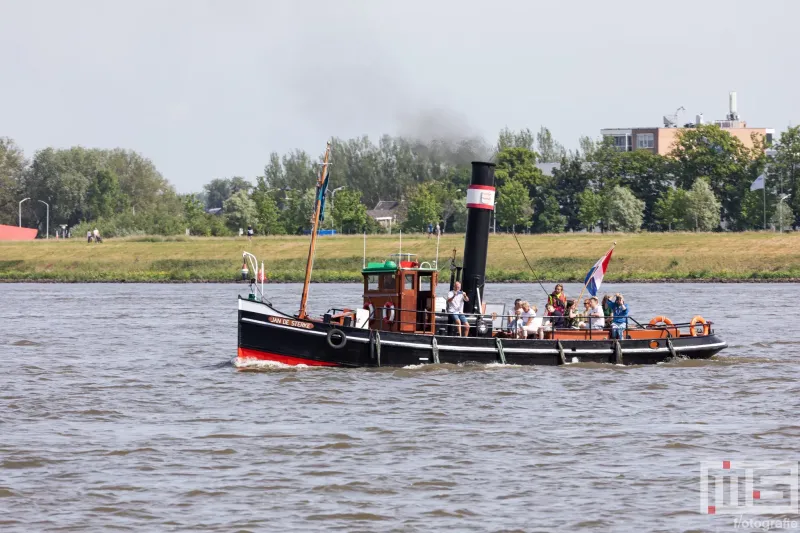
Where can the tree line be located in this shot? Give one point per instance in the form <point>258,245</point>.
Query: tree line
<point>703,184</point>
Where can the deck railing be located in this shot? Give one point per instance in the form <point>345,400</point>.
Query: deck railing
<point>380,321</point>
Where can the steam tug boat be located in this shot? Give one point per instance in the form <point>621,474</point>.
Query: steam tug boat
<point>403,321</point>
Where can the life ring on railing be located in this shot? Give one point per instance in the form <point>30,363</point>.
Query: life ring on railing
<point>371,308</point>
<point>660,319</point>
<point>699,320</point>
<point>332,335</point>
<point>388,313</point>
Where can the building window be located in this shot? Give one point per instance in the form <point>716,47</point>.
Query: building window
<point>645,140</point>
<point>620,143</point>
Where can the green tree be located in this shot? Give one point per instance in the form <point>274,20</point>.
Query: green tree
<point>622,210</point>
<point>513,139</point>
<point>423,209</point>
<point>783,217</point>
<point>217,191</point>
<point>708,151</point>
<point>590,209</point>
<point>570,179</point>
<point>195,215</point>
<point>784,169</point>
<point>754,213</point>
<point>12,166</point>
<point>514,205</point>
<point>268,213</point>
<point>551,220</point>
<point>349,214</point>
<point>702,207</point>
<point>647,175</point>
<point>103,195</point>
<point>240,210</point>
<point>549,150</point>
<point>670,209</point>
<point>300,210</point>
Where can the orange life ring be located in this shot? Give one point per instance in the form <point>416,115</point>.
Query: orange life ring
<point>388,312</point>
<point>660,319</point>
<point>699,320</point>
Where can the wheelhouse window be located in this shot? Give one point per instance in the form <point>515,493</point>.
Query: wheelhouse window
<point>645,140</point>
<point>408,283</point>
<point>388,282</point>
<point>372,282</point>
<point>425,282</point>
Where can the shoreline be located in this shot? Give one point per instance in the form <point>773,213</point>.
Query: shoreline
<point>750,257</point>
<point>314,282</point>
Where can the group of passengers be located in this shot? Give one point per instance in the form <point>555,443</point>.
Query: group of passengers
<point>562,313</point>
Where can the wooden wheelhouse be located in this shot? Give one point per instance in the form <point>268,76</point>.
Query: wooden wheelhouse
<point>401,295</point>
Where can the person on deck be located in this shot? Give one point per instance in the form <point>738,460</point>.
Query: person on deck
<point>527,315</point>
<point>455,308</point>
<point>571,314</point>
<point>619,311</point>
<point>597,320</point>
<point>554,319</point>
<point>606,309</point>
<point>557,298</point>
<point>512,320</point>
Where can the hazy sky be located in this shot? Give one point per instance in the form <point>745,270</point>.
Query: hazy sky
<point>209,88</point>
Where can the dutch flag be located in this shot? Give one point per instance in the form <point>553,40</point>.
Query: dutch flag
<point>594,278</point>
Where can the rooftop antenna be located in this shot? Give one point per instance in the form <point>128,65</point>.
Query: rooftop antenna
<point>733,114</point>
<point>671,121</point>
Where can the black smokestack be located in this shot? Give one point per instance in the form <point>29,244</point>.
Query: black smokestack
<point>480,203</point>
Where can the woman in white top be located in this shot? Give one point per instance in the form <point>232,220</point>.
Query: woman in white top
<point>527,316</point>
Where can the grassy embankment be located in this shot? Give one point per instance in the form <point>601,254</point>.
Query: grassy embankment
<point>642,257</point>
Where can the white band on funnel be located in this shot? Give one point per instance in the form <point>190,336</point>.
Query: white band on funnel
<point>480,197</point>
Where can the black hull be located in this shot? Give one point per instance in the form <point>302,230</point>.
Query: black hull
<point>274,337</point>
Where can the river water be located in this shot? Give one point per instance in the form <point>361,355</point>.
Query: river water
<point>119,409</point>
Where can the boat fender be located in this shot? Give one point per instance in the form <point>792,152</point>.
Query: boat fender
<point>336,334</point>
<point>388,313</point>
<point>699,320</point>
<point>661,319</point>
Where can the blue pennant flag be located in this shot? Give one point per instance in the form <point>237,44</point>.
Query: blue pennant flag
<point>321,193</point>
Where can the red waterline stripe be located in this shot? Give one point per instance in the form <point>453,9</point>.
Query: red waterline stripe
<point>481,206</point>
<point>247,353</point>
<point>484,187</point>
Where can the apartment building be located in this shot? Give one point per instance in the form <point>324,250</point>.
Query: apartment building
<point>660,140</point>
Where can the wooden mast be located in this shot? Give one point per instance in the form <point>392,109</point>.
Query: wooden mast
<point>314,230</point>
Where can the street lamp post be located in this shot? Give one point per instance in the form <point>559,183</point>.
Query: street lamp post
<point>780,210</point>
<point>20,210</point>
<point>47,225</point>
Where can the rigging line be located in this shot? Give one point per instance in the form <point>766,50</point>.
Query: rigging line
<point>529,264</point>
